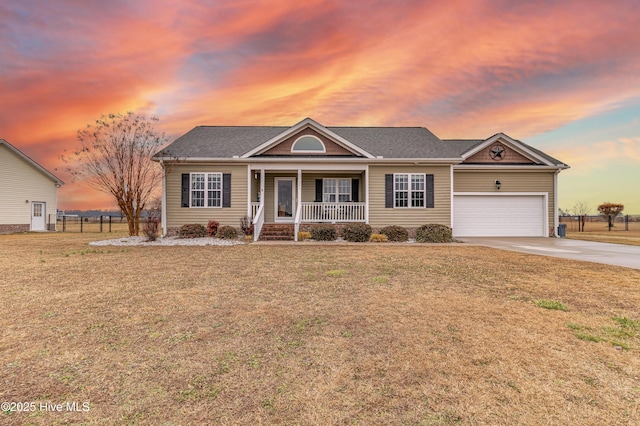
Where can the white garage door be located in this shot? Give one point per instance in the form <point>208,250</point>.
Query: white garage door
<point>499,216</point>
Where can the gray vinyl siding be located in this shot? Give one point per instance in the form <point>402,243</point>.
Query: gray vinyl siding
<point>511,181</point>
<point>178,216</point>
<point>20,185</point>
<point>379,216</point>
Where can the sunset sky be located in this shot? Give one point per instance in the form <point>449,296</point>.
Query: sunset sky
<point>563,76</point>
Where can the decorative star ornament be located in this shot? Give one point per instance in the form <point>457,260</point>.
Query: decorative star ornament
<point>497,152</point>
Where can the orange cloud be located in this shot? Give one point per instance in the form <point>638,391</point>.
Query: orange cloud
<point>463,69</point>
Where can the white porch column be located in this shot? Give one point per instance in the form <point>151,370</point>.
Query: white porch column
<point>299,199</point>
<point>556,220</point>
<point>163,211</point>
<point>249,180</point>
<point>451,194</point>
<point>262,186</point>
<point>366,192</point>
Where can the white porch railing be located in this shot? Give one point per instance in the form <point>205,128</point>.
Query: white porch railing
<point>258,221</point>
<point>333,212</point>
<point>254,208</point>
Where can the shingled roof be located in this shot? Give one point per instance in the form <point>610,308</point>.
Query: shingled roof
<point>221,142</point>
<point>386,142</point>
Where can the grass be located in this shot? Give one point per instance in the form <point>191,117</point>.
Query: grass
<point>551,304</point>
<point>307,334</point>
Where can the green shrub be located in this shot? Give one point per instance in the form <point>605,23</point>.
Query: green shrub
<point>192,230</point>
<point>323,232</point>
<point>434,233</point>
<point>227,233</point>
<point>356,232</point>
<point>212,228</point>
<point>395,233</point>
<point>378,238</point>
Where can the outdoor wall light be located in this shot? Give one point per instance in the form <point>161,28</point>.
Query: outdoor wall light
<point>26,201</point>
<point>498,184</point>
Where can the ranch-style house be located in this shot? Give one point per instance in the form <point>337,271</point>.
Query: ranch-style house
<point>308,173</point>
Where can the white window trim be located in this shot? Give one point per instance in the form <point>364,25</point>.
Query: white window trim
<point>293,146</point>
<point>410,191</point>
<point>206,190</point>
<point>337,186</point>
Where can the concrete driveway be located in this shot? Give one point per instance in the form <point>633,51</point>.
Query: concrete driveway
<point>610,254</point>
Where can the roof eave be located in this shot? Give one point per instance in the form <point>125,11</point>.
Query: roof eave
<point>239,159</point>
<point>509,167</point>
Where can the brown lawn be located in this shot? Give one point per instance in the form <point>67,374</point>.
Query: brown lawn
<point>599,231</point>
<point>313,334</point>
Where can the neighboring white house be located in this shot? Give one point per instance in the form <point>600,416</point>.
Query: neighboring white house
<point>28,192</point>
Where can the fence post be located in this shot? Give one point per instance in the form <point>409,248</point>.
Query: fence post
<point>100,223</point>
<point>81,224</point>
<point>626,222</point>
<point>64,223</point>
<point>110,223</point>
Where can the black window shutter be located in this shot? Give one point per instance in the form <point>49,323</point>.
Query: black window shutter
<point>318,190</point>
<point>226,190</point>
<point>430,192</point>
<point>355,190</point>
<point>388,191</point>
<point>185,190</point>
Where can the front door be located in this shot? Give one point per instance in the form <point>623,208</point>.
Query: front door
<point>285,199</point>
<point>38,213</point>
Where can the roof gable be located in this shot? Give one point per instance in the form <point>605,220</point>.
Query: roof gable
<point>31,162</point>
<point>318,129</point>
<point>330,148</point>
<point>502,149</point>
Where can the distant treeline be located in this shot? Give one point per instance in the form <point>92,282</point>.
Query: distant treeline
<point>90,213</point>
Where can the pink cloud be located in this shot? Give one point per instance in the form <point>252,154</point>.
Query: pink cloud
<point>463,69</point>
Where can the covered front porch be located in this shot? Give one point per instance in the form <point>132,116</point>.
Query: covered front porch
<point>317,194</point>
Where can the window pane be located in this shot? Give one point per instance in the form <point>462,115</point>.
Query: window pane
<point>308,143</point>
<point>402,199</point>
<point>214,193</point>
<point>402,182</point>
<point>197,190</point>
<point>197,181</point>
<point>417,199</point>
<point>344,190</point>
<point>215,181</point>
<point>329,191</point>
<point>417,190</point>
<point>417,182</point>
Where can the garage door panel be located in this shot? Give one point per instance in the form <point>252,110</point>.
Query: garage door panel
<point>499,216</point>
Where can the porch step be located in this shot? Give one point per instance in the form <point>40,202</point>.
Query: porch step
<point>277,232</point>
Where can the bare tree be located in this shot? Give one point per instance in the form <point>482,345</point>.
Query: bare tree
<point>115,157</point>
<point>581,208</point>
